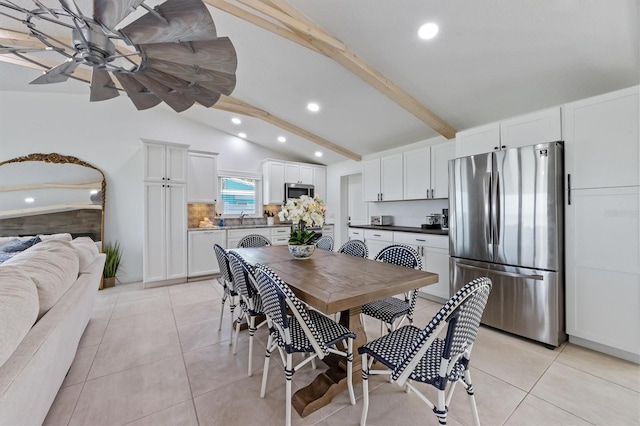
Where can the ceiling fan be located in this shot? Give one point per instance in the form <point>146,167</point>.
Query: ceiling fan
<point>178,58</point>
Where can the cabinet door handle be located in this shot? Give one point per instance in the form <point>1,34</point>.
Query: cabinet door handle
<point>569,189</point>
<point>418,239</point>
<point>432,193</point>
<point>377,235</point>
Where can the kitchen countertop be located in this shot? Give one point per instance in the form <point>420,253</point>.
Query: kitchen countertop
<point>402,229</point>
<point>222,228</point>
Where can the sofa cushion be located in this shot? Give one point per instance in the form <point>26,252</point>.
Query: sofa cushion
<point>18,309</point>
<point>87,251</point>
<point>17,244</point>
<point>52,265</point>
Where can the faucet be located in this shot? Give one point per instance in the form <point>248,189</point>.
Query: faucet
<point>242,215</point>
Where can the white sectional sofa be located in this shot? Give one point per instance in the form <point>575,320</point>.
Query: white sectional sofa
<point>46,300</point>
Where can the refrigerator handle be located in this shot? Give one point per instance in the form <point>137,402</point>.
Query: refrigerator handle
<point>495,210</point>
<point>487,209</point>
<point>536,277</point>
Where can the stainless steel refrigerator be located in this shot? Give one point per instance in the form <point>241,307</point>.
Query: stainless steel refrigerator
<point>506,223</point>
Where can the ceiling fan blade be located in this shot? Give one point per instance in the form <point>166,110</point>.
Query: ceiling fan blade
<point>102,87</point>
<point>211,80</point>
<point>141,97</point>
<point>188,20</point>
<point>216,55</point>
<point>111,12</point>
<point>71,7</point>
<point>57,74</point>
<point>169,96</point>
<point>201,95</point>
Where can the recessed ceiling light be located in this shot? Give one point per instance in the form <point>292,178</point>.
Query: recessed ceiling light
<point>29,200</point>
<point>242,135</point>
<point>428,31</point>
<point>282,139</point>
<point>314,107</point>
<point>318,154</point>
<point>236,120</point>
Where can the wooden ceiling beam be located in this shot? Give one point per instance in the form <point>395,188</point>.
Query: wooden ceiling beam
<point>227,103</point>
<point>323,42</point>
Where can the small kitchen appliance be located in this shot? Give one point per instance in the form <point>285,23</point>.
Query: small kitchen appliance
<point>434,221</point>
<point>381,220</point>
<point>445,219</point>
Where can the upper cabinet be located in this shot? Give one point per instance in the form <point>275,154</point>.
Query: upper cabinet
<point>298,173</point>
<point>382,178</point>
<point>601,140</point>
<point>426,171</point>
<point>165,162</point>
<point>538,127</point>
<point>276,173</point>
<point>273,182</point>
<point>202,184</point>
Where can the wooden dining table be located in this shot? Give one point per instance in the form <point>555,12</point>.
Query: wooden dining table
<point>335,282</point>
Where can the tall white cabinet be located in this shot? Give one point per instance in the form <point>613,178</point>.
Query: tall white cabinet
<point>602,146</point>
<point>165,213</point>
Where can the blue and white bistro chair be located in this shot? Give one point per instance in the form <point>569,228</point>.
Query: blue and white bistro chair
<point>254,240</point>
<point>412,354</point>
<point>226,281</point>
<point>294,329</point>
<point>354,248</point>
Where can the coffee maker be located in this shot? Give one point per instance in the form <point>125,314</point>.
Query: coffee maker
<point>445,219</point>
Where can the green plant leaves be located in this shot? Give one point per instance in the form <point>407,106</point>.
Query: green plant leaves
<point>114,256</point>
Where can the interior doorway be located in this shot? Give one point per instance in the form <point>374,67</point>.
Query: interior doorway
<point>354,210</point>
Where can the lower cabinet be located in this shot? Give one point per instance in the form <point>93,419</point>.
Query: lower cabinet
<point>377,240</point>
<point>235,235</point>
<point>165,237</point>
<point>202,259</point>
<point>434,250</point>
<point>280,236</point>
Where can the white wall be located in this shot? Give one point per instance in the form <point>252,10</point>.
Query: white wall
<point>107,134</point>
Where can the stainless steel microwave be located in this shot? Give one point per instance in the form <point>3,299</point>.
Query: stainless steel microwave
<point>296,190</point>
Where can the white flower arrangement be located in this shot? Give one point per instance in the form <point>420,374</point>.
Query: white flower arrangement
<point>303,212</point>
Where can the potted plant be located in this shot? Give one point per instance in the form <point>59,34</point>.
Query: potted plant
<point>111,264</point>
<point>303,212</point>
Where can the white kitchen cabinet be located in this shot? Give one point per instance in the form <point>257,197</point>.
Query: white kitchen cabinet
<point>280,235</point>
<point>273,182</point>
<point>202,186</point>
<point>298,173</point>
<point>327,230</point>
<point>202,258</point>
<point>426,171</point>
<point>530,129</point>
<point>276,173</point>
<point>235,235</point>
<point>603,269</point>
<point>434,250</point>
<point>356,234</point>
<point>376,240</point>
<point>320,182</point>
<point>478,140</point>
<point>165,162</point>
<point>165,233</point>
<point>602,146</point>
<point>382,178</point>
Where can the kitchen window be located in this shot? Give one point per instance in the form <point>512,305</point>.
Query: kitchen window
<point>239,195</point>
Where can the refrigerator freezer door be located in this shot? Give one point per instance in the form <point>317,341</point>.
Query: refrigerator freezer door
<point>527,197</point>
<point>470,207</point>
<point>526,302</point>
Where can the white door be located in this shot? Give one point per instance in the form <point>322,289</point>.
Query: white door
<point>306,175</point>
<point>417,174</point>
<point>154,162</point>
<point>154,265</point>
<point>176,226</point>
<point>371,180</point>
<point>202,258</point>
<point>357,208</point>
<point>291,173</point>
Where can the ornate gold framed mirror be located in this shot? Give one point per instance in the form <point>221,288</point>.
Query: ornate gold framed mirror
<point>49,194</point>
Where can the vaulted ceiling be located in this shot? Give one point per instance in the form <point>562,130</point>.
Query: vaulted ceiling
<point>380,86</point>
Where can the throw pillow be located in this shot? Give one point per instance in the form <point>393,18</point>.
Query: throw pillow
<point>17,245</point>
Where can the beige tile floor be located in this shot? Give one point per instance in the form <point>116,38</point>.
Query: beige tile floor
<point>156,357</point>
